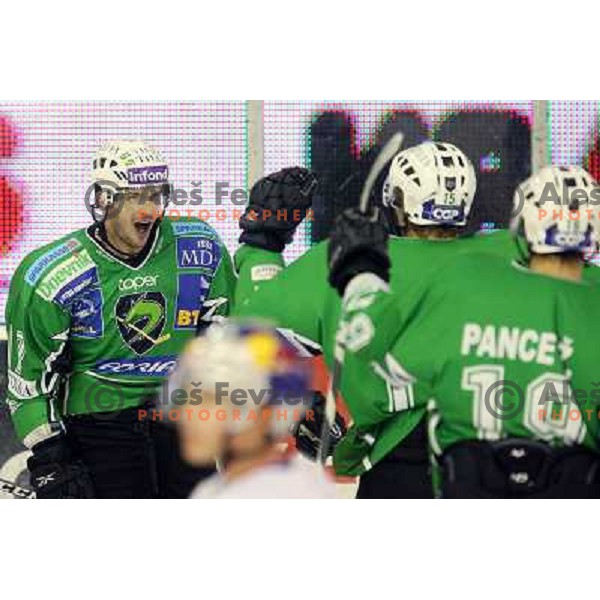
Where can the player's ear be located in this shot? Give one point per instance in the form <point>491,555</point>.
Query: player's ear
<point>100,197</point>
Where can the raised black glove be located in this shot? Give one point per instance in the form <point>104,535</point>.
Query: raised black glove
<point>54,472</point>
<point>358,244</point>
<point>308,430</point>
<point>278,204</point>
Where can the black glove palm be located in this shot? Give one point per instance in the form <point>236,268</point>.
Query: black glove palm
<point>358,244</point>
<point>54,473</point>
<point>278,204</point>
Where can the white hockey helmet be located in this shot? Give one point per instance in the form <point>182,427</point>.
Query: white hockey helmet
<point>432,184</point>
<point>555,210</point>
<point>255,358</point>
<point>129,164</point>
<point>125,164</point>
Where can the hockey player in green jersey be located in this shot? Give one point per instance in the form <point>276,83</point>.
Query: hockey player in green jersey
<point>95,323</point>
<point>503,242</point>
<point>507,355</point>
<point>428,195</point>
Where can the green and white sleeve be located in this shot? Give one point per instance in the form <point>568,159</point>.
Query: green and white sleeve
<point>38,333</point>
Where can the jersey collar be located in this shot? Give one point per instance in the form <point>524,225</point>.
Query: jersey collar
<point>94,234</point>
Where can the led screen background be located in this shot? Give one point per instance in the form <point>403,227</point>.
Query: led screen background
<point>46,150</point>
<point>573,131</point>
<point>573,136</point>
<point>339,138</point>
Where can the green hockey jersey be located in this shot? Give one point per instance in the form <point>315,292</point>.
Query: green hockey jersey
<point>90,333</point>
<point>502,352</point>
<point>502,242</point>
<point>298,298</point>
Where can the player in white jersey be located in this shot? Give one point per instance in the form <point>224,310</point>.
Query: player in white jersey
<point>254,387</point>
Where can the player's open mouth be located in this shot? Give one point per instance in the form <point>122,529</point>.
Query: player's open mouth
<point>143,227</point>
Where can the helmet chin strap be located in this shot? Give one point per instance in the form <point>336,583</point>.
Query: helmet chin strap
<point>524,255</point>
<point>395,219</point>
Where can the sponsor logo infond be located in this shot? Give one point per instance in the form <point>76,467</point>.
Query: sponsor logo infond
<point>148,175</point>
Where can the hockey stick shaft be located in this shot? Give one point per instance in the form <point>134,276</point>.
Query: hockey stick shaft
<point>388,152</point>
<point>390,149</point>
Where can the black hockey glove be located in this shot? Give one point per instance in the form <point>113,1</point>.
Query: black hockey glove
<point>358,244</point>
<point>278,204</point>
<point>308,431</point>
<point>54,472</point>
